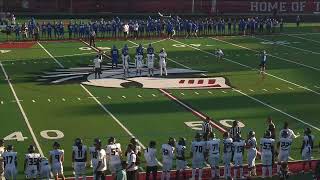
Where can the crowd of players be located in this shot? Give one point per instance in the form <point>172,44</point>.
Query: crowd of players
<point>205,148</point>
<point>159,26</point>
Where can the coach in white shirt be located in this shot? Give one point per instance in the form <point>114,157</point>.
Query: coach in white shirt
<point>126,30</point>
<point>97,66</point>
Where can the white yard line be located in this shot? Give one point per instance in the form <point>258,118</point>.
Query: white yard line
<point>71,55</point>
<point>307,39</point>
<point>50,55</point>
<point>243,65</point>
<point>293,47</point>
<point>277,57</point>
<point>276,109</point>
<point>22,111</point>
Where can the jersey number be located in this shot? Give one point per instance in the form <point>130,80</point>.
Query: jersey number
<point>198,149</point>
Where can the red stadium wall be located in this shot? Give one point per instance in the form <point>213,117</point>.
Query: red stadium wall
<point>166,6</point>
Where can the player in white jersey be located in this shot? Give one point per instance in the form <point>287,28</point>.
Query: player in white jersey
<point>181,163</point>
<point>10,163</point>
<point>198,148</point>
<point>167,158</point>
<point>150,155</point>
<point>2,149</point>
<point>100,169</point>
<point>56,160</point>
<point>307,147</point>
<point>238,146</point>
<point>139,64</point>
<point>150,60</point>
<point>31,163</point>
<point>125,60</point>
<point>162,62</point>
<point>93,157</point>
<point>284,149</point>
<point>44,168</point>
<point>113,151</point>
<point>213,148</point>
<point>79,159</point>
<point>266,148</point>
<point>227,154</point>
<point>219,53</point>
<point>252,153</point>
<point>137,149</point>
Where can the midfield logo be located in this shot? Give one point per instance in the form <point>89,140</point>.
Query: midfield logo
<point>113,78</point>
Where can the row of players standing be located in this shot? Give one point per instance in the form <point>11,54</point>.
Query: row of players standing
<point>139,63</point>
<point>147,27</point>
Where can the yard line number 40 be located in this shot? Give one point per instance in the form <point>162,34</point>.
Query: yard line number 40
<point>46,134</point>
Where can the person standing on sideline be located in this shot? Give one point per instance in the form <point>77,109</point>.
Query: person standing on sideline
<point>298,21</point>
<point>151,160</point>
<point>271,127</point>
<point>206,128</point>
<point>132,168</point>
<point>121,174</point>
<point>126,30</point>
<point>162,62</point>
<point>135,30</point>
<point>263,62</point>
<point>115,56</point>
<point>92,38</point>
<point>2,150</point>
<point>97,67</point>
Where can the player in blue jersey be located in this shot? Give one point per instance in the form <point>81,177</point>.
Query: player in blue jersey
<point>139,59</point>
<point>114,56</point>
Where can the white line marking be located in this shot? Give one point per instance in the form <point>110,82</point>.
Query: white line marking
<point>196,93</point>
<point>316,86</point>
<point>265,90</point>
<point>63,99</point>
<point>303,38</point>
<point>276,109</point>
<point>251,90</point>
<point>50,55</point>
<point>79,99</point>
<point>290,88</point>
<point>114,118</point>
<point>1,102</point>
<point>139,96</point>
<point>284,59</point>
<point>33,101</point>
<point>22,111</point>
<point>202,74</point>
<point>182,94</point>
<point>153,95</point>
<point>243,65</point>
<point>49,100</point>
<point>293,47</point>
<point>209,92</point>
<point>223,91</point>
<point>278,89</point>
<point>70,55</point>
<point>109,97</point>
<point>124,97</point>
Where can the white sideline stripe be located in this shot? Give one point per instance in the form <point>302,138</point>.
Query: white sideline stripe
<point>307,39</point>
<point>276,109</point>
<point>293,47</point>
<point>277,57</point>
<point>50,55</point>
<point>243,65</point>
<point>71,55</point>
<point>261,101</point>
<point>22,111</point>
<point>116,119</point>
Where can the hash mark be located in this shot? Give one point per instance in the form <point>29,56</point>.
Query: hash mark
<point>224,92</point>
<point>290,88</point>
<point>182,94</point>
<point>251,90</point>
<point>196,93</point>
<point>265,90</point>
<point>49,100</point>
<point>79,99</point>
<point>278,89</point>
<point>139,96</point>
<point>153,95</point>
<point>33,101</point>
<point>209,92</point>
<point>1,102</point>
<point>124,97</point>
<point>63,99</point>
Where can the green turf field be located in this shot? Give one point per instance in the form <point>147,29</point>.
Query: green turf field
<point>44,112</point>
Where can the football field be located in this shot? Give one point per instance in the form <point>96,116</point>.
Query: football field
<point>43,100</point>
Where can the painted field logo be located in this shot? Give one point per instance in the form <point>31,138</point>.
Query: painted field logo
<point>113,78</point>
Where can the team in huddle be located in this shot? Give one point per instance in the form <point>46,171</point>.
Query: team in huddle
<point>139,60</point>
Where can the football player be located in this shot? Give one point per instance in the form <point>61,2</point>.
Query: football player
<point>2,150</point>
<point>150,155</point>
<point>162,62</point>
<point>167,158</point>
<point>137,149</point>
<point>198,148</point>
<point>10,163</point>
<point>307,147</point>
<point>219,54</point>
<point>266,146</point>
<point>263,62</point>
<point>238,146</point>
<point>114,56</point>
<point>284,149</point>
<point>94,155</point>
<point>125,60</point>
<point>113,151</point>
<point>181,163</point>
<point>31,163</point>
<point>252,153</point>
<point>150,59</point>
<point>79,158</point>
<point>56,160</point>
<point>139,59</point>
<point>44,168</point>
<point>227,154</point>
<point>213,147</point>
<point>101,167</point>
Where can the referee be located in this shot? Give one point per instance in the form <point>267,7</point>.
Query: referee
<point>206,128</point>
<point>235,130</point>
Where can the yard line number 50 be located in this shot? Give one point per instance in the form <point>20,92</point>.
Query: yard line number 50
<point>46,134</point>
